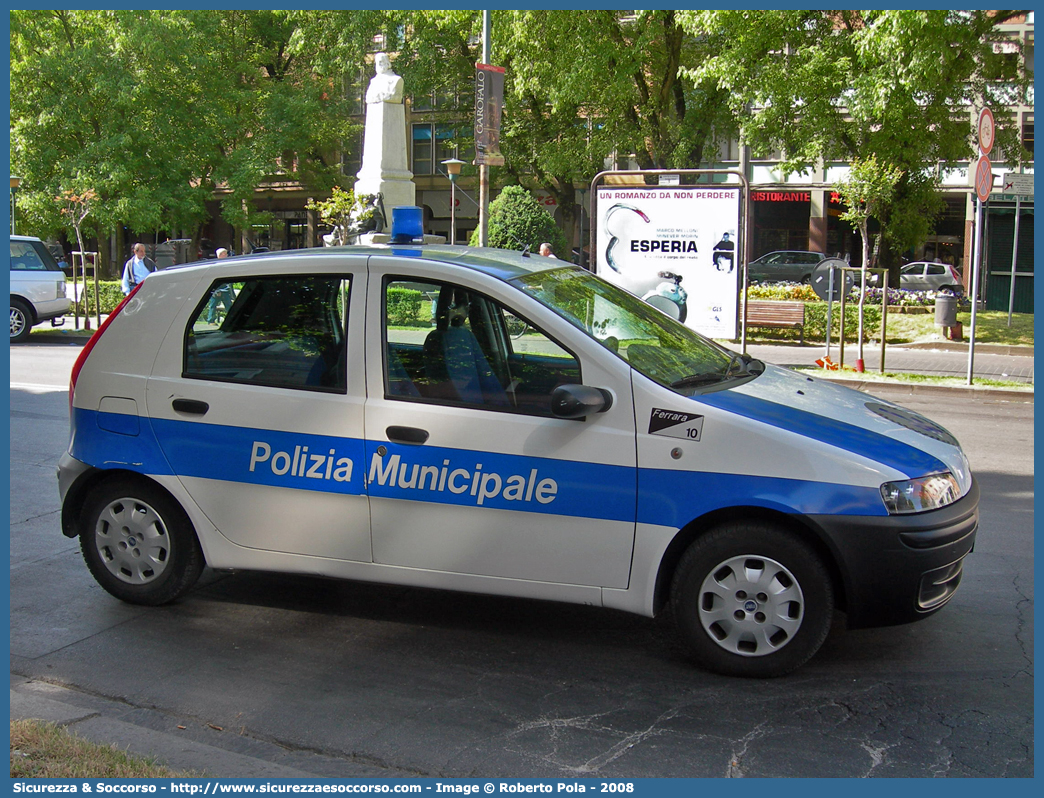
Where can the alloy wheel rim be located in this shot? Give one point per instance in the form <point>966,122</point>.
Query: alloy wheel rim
<point>17,322</point>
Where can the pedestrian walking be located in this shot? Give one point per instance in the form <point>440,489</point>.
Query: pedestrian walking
<point>223,294</point>
<point>137,268</point>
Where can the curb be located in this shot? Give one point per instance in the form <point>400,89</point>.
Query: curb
<point>957,346</point>
<point>872,386</point>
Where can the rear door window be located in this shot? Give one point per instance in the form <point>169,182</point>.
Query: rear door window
<point>280,331</point>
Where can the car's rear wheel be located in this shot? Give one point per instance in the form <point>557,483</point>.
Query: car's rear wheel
<point>751,599</point>
<point>138,543</point>
<point>21,320</point>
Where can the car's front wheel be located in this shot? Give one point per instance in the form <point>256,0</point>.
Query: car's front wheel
<point>138,543</point>
<point>751,599</point>
<point>21,320</point>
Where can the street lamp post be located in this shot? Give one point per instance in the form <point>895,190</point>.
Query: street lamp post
<point>453,169</point>
<point>15,183</point>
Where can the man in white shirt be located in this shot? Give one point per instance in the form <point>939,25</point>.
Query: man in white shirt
<point>137,268</point>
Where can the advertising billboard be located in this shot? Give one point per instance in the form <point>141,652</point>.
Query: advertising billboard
<point>676,247</point>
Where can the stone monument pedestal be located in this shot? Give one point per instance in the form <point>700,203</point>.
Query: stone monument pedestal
<point>385,238</point>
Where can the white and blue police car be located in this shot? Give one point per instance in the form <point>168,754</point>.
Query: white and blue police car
<point>485,421</point>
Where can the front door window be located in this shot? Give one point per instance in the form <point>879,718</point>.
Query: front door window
<point>450,345</point>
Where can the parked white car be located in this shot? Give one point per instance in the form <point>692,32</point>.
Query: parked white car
<point>925,276</point>
<point>37,287</point>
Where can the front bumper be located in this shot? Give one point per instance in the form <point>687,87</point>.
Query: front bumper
<point>901,568</point>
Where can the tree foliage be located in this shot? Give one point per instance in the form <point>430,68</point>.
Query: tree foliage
<point>161,111</point>
<point>899,85</point>
<point>157,109</point>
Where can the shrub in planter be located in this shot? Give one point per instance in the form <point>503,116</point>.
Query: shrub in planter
<point>517,220</point>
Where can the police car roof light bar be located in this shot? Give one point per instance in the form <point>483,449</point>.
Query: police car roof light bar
<point>407,224</point>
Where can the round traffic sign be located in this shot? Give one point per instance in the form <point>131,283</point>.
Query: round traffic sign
<point>827,287</point>
<point>983,178</point>
<point>986,130</point>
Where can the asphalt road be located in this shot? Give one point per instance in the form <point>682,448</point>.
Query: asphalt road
<point>354,679</point>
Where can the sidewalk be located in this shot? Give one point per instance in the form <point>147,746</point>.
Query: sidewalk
<point>179,743</point>
<point>941,359</point>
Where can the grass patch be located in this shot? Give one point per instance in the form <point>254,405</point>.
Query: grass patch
<point>991,327</point>
<point>42,750</point>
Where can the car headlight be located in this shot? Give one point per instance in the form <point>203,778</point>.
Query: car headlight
<point>924,493</point>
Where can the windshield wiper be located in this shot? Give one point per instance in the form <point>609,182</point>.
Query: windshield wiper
<point>703,378</point>
<point>710,377</point>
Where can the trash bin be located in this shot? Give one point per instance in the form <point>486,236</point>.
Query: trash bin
<point>172,251</point>
<point>946,310</point>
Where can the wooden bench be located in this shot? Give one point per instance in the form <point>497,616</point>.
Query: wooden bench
<point>766,313</point>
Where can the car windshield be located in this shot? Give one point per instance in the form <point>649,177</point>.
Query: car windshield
<point>650,341</point>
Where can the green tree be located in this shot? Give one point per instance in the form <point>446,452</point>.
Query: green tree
<point>517,221</point>
<point>866,190</point>
<point>159,109</point>
<point>844,85</point>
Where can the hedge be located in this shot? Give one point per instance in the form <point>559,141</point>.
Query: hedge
<point>404,306</point>
<point>110,294</point>
<point>815,321</point>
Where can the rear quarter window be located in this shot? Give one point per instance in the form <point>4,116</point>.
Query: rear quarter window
<point>26,256</point>
<point>282,331</point>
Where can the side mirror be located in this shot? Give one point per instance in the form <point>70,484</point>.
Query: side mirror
<point>579,401</point>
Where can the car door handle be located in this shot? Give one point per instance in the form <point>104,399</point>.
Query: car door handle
<point>407,434</point>
<point>193,406</point>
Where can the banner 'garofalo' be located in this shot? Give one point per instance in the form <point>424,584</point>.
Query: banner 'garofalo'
<point>489,104</point>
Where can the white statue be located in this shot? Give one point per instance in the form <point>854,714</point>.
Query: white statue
<point>385,171</point>
<point>386,86</point>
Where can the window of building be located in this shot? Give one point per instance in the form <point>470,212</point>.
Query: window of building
<point>281,331</point>
<point>434,143</point>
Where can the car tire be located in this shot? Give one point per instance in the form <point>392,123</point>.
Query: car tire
<point>806,280</point>
<point>138,542</point>
<point>21,320</point>
<point>751,599</point>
